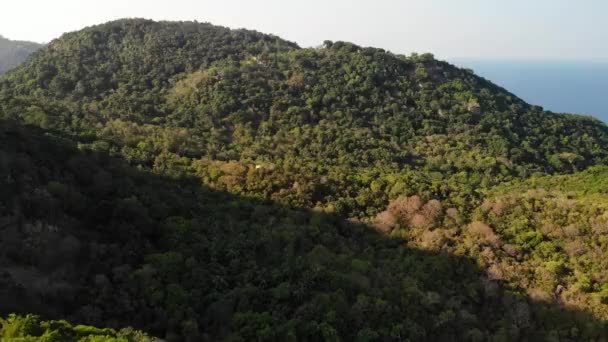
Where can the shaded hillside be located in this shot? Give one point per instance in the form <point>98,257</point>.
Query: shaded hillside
<point>13,53</point>
<point>88,238</point>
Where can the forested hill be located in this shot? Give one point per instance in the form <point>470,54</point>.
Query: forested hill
<point>340,127</point>
<point>13,53</point>
<point>204,183</point>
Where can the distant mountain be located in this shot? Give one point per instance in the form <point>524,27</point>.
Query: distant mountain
<point>13,53</point>
<point>204,184</point>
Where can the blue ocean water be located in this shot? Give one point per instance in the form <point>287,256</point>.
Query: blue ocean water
<point>578,87</point>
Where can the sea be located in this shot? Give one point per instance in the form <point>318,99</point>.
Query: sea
<point>577,87</point>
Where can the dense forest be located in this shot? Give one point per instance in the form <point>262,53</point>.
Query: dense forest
<point>201,183</point>
<point>13,53</point>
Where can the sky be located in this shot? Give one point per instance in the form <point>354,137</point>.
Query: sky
<point>483,29</point>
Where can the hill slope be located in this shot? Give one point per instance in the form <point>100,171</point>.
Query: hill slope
<point>546,236</point>
<point>200,182</point>
<point>88,238</point>
<point>13,53</point>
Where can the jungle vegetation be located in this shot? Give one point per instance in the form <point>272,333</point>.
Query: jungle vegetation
<point>201,184</point>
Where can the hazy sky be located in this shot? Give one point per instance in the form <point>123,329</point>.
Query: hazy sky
<point>556,29</point>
